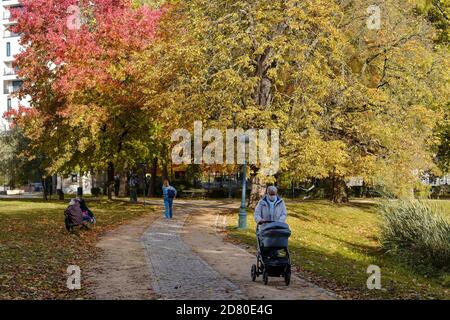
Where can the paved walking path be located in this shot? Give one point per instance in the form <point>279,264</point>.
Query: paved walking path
<point>204,233</point>
<point>177,272</point>
<point>188,259</point>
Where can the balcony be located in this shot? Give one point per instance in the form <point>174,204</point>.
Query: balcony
<point>10,34</point>
<point>11,90</point>
<point>15,87</point>
<point>7,14</point>
<point>10,71</point>
<point>7,3</point>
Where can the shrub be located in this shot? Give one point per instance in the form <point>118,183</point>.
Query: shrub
<point>96,192</point>
<point>417,231</point>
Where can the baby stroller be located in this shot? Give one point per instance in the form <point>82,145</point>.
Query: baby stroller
<point>273,258</point>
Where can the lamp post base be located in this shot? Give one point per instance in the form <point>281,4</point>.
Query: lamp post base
<point>242,219</point>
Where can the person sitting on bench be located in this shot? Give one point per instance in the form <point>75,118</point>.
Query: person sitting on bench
<point>74,215</point>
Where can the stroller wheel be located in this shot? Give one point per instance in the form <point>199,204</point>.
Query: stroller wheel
<point>254,272</point>
<point>265,277</point>
<point>287,276</point>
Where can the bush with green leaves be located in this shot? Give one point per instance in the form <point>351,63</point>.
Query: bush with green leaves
<point>416,230</point>
<point>96,191</point>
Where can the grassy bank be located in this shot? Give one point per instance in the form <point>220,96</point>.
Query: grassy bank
<point>35,248</point>
<point>332,245</point>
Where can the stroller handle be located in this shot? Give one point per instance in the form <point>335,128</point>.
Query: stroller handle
<point>261,223</point>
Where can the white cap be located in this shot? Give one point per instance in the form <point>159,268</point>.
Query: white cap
<point>272,189</point>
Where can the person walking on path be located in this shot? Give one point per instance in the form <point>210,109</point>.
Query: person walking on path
<point>169,193</point>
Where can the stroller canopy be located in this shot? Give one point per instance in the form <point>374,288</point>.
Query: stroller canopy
<point>275,235</point>
<point>274,225</point>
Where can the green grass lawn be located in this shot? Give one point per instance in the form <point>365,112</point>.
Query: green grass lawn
<point>35,248</point>
<point>443,207</point>
<point>332,245</point>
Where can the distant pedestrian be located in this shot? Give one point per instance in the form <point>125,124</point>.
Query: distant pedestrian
<point>133,184</point>
<point>170,194</point>
<point>116,185</point>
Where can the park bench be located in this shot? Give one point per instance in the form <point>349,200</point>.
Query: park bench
<point>193,193</point>
<point>71,227</point>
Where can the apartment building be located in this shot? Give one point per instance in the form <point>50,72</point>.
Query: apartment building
<point>10,46</point>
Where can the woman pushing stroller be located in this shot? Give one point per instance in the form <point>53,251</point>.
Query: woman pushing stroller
<point>272,234</point>
<point>271,208</point>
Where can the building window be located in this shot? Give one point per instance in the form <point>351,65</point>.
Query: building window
<point>9,106</point>
<point>74,178</point>
<point>16,85</point>
<point>8,49</point>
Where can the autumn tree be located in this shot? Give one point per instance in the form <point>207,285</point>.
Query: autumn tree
<point>16,164</point>
<point>349,100</point>
<point>438,13</point>
<point>403,77</point>
<point>87,112</point>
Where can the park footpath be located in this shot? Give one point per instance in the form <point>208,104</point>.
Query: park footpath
<point>186,258</point>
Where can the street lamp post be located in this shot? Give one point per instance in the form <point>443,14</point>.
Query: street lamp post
<point>229,176</point>
<point>243,209</point>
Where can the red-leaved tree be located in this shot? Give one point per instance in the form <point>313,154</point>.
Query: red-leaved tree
<point>77,64</point>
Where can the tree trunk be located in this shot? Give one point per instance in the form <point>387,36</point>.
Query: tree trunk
<point>263,98</point>
<point>54,184</point>
<point>45,188</point>
<point>258,190</point>
<point>110,182</point>
<point>152,187</point>
<point>293,189</point>
<point>165,171</point>
<point>339,192</point>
